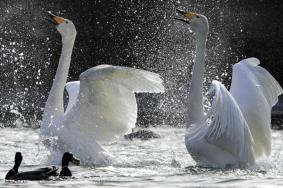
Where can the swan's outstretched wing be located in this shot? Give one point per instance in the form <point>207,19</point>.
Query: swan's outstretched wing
<point>255,91</point>
<point>106,105</point>
<point>224,125</point>
<point>73,89</point>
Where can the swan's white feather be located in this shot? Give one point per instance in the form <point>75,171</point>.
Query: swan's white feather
<point>101,106</point>
<point>73,89</point>
<point>224,128</point>
<point>255,91</point>
<point>237,128</point>
<point>106,105</point>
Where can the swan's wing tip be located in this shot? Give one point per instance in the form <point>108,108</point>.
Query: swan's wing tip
<point>252,61</point>
<point>155,81</point>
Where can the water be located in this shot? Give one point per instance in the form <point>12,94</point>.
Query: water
<point>160,162</point>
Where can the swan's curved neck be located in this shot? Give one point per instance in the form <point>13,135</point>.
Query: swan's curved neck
<point>55,102</point>
<point>195,109</point>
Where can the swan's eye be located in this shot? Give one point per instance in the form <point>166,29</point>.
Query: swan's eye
<point>66,22</point>
<point>197,16</point>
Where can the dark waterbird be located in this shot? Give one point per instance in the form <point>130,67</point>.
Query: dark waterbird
<point>38,174</point>
<point>68,157</point>
<point>41,173</point>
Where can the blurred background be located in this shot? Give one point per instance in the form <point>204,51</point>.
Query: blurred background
<point>135,33</point>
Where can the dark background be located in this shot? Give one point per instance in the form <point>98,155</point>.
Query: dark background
<point>136,33</point>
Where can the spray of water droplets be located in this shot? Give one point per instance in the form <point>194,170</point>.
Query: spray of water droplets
<point>131,33</point>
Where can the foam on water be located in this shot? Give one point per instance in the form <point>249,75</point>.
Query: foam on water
<point>160,162</point>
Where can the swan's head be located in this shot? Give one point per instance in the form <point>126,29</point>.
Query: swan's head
<point>198,23</point>
<point>64,26</point>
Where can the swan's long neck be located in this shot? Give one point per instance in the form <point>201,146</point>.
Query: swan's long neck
<point>195,109</point>
<point>55,104</point>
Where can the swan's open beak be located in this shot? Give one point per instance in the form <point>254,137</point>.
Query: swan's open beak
<point>188,16</point>
<point>75,161</point>
<point>55,19</point>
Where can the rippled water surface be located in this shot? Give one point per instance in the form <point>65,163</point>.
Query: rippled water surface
<point>160,162</point>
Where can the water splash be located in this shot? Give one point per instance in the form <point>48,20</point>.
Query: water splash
<point>138,34</point>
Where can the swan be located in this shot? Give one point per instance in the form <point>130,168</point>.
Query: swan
<point>236,130</point>
<point>101,107</point>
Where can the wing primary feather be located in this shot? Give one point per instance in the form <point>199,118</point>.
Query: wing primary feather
<point>106,105</point>
<point>255,91</point>
<point>228,129</point>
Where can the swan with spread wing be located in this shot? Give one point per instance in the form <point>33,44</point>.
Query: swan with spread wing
<point>101,107</point>
<point>236,130</point>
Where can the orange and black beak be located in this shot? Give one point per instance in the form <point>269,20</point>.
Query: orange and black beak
<point>56,20</point>
<point>188,16</point>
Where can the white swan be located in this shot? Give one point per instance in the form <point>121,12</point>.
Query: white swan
<point>236,130</point>
<point>102,105</point>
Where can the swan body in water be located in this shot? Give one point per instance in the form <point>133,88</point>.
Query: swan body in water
<point>236,130</point>
<point>101,107</point>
